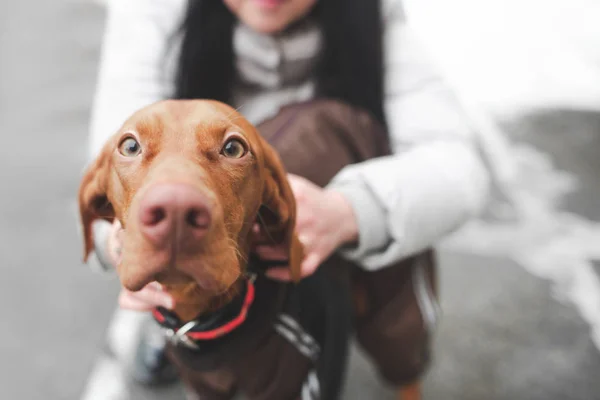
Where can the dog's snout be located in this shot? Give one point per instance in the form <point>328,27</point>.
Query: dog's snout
<point>171,212</point>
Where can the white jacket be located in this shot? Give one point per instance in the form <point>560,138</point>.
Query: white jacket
<point>433,183</point>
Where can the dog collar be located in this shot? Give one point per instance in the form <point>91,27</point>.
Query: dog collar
<point>211,326</point>
<point>221,322</point>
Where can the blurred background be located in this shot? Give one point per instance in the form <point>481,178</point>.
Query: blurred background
<point>520,289</point>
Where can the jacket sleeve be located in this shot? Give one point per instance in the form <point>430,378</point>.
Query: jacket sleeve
<point>133,65</point>
<point>434,181</point>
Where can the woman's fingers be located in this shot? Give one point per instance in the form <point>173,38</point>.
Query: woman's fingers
<point>309,266</point>
<point>271,252</point>
<point>146,299</point>
<point>129,302</point>
<point>279,274</point>
<point>259,236</point>
<point>311,263</point>
<point>263,247</point>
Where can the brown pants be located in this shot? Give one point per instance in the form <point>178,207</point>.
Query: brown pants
<point>396,306</point>
<point>399,303</point>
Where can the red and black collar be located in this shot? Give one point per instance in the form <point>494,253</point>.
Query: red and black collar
<point>209,327</point>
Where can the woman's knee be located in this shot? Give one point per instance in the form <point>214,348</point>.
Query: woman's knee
<point>316,139</point>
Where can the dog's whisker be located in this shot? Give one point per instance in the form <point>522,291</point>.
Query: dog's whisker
<point>240,107</point>
<point>235,247</point>
<point>237,110</point>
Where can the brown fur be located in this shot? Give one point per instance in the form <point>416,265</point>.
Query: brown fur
<point>181,142</point>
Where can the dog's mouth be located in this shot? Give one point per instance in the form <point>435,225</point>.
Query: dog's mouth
<point>194,278</point>
<point>186,284</point>
<point>205,273</point>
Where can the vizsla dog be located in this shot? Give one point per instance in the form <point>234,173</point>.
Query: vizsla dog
<point>188,180</point>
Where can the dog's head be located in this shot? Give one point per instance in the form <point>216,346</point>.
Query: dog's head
<point>187,180</point>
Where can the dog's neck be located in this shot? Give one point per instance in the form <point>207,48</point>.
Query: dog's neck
<point>189,309</point>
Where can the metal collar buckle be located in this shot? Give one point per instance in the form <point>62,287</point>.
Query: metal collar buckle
<point>179,337</point>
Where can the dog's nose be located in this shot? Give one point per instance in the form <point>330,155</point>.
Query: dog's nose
<point>170,212</point>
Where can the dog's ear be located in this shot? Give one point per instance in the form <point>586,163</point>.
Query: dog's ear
<point>278,211</point>
<point>93,200</point>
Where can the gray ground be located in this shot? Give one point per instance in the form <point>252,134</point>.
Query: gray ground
<point>504,334</point>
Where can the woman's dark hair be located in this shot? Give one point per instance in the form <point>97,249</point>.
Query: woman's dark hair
<point>350,67</point>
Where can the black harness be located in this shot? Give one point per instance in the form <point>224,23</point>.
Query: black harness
<point>301,312</point>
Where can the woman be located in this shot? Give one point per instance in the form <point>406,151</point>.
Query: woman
<point>260,55</point>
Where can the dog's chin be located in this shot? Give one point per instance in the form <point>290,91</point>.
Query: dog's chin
<point>198,282</point>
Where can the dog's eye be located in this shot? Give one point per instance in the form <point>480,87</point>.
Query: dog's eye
<point>234,148</point>
<point>130,147</point>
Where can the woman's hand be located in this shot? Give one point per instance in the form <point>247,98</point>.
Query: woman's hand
<point>151,296</point>
<point>325,221</point>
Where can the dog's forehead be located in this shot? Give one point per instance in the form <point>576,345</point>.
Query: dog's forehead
<point>193,113</point>
<point>187,116</point>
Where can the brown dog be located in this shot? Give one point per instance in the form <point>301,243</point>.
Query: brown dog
<point>188,180</point>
